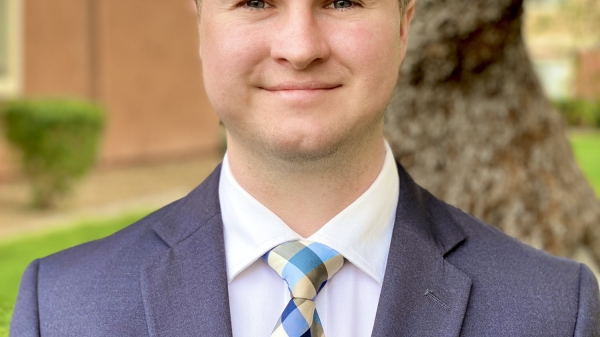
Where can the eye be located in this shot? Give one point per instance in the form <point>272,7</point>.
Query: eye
<point>255,4</point>
<point>339,4</point>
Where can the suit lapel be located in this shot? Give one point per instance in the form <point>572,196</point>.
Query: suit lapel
<point>422,294</point>
<point>185,290</point>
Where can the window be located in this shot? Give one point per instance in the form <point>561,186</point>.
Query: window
<point>10,47</point>
<point>556,76</point>
<point>547,2</point>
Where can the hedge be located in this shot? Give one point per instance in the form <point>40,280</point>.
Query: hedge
<point>57,141</point>
<point>580,112</point>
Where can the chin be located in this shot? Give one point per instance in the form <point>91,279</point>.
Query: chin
<point>306,149</point>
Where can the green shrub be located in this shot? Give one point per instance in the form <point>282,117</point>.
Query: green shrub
<point>57,141</point>
<point>580,112</point>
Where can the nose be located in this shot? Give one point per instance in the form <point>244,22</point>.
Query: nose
<point>298,40</point>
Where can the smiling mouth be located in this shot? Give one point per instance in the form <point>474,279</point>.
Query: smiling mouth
<point>309,86</point>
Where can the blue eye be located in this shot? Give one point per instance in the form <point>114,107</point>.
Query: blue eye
<point>255,4</point>
<point>342,4</point>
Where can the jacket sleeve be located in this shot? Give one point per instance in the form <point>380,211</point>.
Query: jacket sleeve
<point>588,315</point>
<point>25,320</point>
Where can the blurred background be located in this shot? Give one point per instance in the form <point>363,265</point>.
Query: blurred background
<point>137,62</point>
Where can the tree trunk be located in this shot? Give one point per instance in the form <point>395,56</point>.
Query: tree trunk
<point>470,122</point>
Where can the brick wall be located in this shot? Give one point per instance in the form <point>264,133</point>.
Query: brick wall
<point>138,58</point>
<point>587,80</point>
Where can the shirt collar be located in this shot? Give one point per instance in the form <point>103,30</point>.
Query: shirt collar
<point>361,232</point>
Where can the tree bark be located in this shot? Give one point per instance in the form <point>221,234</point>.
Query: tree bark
<point>471,123</point>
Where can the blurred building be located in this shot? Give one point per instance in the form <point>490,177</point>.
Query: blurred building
<point>563,41</point>
<point>138,58</point>
<point>588,74</point>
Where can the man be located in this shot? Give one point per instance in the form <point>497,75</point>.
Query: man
<point>301,86</point>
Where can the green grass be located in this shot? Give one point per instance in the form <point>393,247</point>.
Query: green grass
<point>5,314</point>
<point>586,147</point>
<point>17,253</point>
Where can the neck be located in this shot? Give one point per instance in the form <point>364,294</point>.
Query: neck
<point>307,195</point>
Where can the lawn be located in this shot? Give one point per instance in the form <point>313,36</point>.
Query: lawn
<point>586,147</point>
<point>17,253</point>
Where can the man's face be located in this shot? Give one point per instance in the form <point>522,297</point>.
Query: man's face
<point>300,78</point>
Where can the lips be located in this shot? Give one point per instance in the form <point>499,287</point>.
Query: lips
<point>292,86</point>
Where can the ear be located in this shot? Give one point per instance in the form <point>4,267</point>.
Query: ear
<point>406,19</point>
<point>191,4</point>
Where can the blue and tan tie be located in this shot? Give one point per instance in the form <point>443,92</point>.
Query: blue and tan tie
<point>306,267</point>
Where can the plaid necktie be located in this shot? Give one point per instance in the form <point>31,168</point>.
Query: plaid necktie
<point>306,267</point>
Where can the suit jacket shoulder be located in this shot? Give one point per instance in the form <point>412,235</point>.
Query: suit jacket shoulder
<point>99,288</point>
<point>526,289</point>
<point>449,274</point>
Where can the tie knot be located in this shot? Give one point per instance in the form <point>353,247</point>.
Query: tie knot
<point>306,266</point>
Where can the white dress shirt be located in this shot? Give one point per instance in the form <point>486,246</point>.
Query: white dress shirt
<point>361,233</point>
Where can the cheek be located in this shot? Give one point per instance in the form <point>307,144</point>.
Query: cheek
<point>372,50</point>
<point>228,59</point>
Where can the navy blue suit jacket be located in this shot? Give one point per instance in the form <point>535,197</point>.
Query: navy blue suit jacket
<point>448,274</point>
